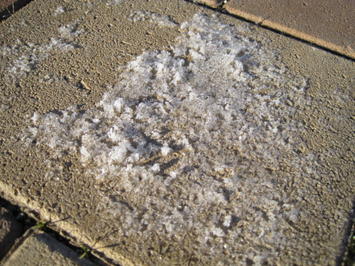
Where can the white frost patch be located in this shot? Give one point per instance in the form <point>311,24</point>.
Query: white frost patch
<point>59,10</point>
<point>165,150</point>
<point>188,139</point>
<point>29,55</point>
<point>114,2</point>
<point>227,221</point>
<point>69,31</point>
<point>155,168</point>
<point>217,231</point>
<point>152,17</point>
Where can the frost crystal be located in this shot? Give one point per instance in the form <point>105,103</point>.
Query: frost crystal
<point>159,19</point>
<point>195,132</point>
<point>59,10</point>
<point>29,55</point>
<point>114,2</point>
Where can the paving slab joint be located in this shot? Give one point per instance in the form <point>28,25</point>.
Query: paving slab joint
<point>13,224</point>
<point>347,252</point>
<point>264,22</point>
<point>32,224</point>
<point>10,7</point>
<point>40,248</point>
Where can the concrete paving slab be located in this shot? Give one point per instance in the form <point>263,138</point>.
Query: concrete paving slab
<point>10,230</point>
<point>42,249</point>
<point>327,23</point>
<point>167,134</point>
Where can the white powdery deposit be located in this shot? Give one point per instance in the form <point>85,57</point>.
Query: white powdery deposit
<point>187,141</point>
<point>114,2</point>
<point>59,10</point>
<point>28,55</point>
<point>152,17</point>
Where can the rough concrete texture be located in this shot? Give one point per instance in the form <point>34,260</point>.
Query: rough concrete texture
<point>326,23</point>
<point>168,136</point>
<point>42,249</point>
<point>10,230</point>
<point>211,3</point>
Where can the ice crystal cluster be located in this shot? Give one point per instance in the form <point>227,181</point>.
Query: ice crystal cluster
<point>114,2</point>
<point>152,17</point>
<point>187,141</point>
<point>59,10</point>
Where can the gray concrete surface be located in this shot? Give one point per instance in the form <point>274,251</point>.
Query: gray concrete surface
<point>229,144</point>
<point>42,249</point>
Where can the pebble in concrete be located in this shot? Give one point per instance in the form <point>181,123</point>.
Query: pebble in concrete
<point>42,249</point>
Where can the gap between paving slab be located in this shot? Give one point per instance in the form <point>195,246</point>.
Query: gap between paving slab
<point>39,248</point>
<point>63,227</point>
<point>324,203</point>
<point>10,230</point>
<point>9,7</point>
<point>335,34</point>
<point>6,3</point>
<point>31,223</point>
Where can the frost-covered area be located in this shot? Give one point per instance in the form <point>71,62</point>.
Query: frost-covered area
<point>188,142</point>
<point>114,2</point>
<point>27,55</point>
<point>59,10</point>
<point>156,18</point>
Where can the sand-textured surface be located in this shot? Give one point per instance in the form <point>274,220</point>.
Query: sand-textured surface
<point>167,134</point>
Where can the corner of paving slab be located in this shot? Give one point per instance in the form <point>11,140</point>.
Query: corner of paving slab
<point>59,64</point>
<point>10,7</point>
<point>39,248</point>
